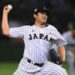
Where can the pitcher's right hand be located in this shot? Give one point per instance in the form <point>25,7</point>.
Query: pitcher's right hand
<point>6,9</point>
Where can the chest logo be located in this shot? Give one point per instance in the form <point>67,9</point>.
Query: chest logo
<point>40,36</point>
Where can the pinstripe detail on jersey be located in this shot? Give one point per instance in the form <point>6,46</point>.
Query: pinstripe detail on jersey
<point>37,45</point>
<point>48,69</point>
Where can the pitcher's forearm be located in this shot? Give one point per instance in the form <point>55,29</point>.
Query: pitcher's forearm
<point>61,51</point>
<point>5,27</point>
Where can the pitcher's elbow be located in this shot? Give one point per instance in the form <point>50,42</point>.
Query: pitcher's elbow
<point>5,33</point>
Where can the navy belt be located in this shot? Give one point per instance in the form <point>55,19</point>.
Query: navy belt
<point>37,64</point>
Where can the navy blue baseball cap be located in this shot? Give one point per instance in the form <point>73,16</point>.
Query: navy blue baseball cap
<point>41,9</point>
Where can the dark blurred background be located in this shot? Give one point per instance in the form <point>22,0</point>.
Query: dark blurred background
<point>61,15</point>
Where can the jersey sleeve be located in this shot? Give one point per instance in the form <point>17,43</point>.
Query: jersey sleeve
<point>58,37</point>
<point>17,32</point>
<point>61,40</point>
<point>59,43</point>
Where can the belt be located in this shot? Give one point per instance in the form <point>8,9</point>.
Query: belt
<point>37,64</point>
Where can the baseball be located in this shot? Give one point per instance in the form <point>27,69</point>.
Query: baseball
<point>10,6</point>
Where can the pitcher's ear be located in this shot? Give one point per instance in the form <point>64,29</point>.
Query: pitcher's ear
<point>34,15</point>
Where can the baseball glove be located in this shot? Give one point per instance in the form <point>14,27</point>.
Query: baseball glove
<point>54,57</point>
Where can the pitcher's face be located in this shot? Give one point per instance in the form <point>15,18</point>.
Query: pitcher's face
<point>41,17</point>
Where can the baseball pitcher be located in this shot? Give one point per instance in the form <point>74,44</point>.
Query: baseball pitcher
<point>38,40</point>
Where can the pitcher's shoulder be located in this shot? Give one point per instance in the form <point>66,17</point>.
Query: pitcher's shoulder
<point>52,27</point>
<point>26,26</point>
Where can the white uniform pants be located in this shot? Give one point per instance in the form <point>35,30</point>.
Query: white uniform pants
<point>48,69</point>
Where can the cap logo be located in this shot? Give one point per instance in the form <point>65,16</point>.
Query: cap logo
<point>35,10</point>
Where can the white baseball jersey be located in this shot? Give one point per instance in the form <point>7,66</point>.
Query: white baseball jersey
<point>38,41</point>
